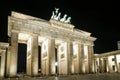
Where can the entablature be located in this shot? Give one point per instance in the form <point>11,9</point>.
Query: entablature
<point>116,52</point>
<point>3,44</point>
<point>52,28</point>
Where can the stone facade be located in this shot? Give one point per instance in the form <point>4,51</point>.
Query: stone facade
<point>3,58</point>
<point>107,62</point>
<point>74,47</point>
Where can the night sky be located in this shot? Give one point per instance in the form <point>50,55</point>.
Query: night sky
<point>96,17</point>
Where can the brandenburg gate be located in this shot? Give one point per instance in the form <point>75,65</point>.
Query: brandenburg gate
<point>74,47</point>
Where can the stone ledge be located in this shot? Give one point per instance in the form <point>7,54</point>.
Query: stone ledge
<point>56,23</point>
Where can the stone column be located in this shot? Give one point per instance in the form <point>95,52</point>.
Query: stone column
<point>102,61</point>
<point>48,57</point>
<point>116,63</point>
<point>95,65</point>
<point>86,59</point>
<point>69,56</point>
<point>90,59</point>
<point>51,53</point>
<point>65,58</point>
<point>32,56</point>
<point>106,58</point>
<point>8,62</point>
<point>2,64</point>
<point>62,60</point>
<point>13,55</point>
<point>80,57</point>
<point>108,65</point>
<point>28,57</point>
<point>107,62</point>
<point>77,58</point>
<point>100,65</point>
<point>44,58</point>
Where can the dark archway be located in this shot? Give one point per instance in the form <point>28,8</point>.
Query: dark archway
<point>21,65</point>
<point>56,60</point>
<point>39,59</point>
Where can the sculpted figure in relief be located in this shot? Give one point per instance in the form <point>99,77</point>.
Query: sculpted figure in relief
<point>68,20</point>
<point>56,16</point>
<point>64,18</point>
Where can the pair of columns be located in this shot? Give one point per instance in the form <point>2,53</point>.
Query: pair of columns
<point>110,66</point>
<point>64,57</point>
<point>102,65</point>
<point>32,59</point>
<point>83,59</point>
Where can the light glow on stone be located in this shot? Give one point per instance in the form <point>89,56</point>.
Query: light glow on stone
<point>118,58</point>
<point>23,36</point>
<point>75,49</point>
<point>83,68</point>
<point>13,69</point>
<point>110,60</point>
<point>41,39</point>
<point>45,46</point>
<point>29,45</point>
<point>58,42</point>
<point>56,63</point>
<point>85,50</point>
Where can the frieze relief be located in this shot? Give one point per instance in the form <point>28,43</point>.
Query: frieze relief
<point>44,54</point>
<point>62,55</point>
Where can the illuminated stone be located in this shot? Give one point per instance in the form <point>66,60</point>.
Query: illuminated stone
<point>107,62</point>
<point>74,47</point>
<point>3,54</point>
<point>48,57</point>
<point>13,54</point>
<point>32,56</point>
